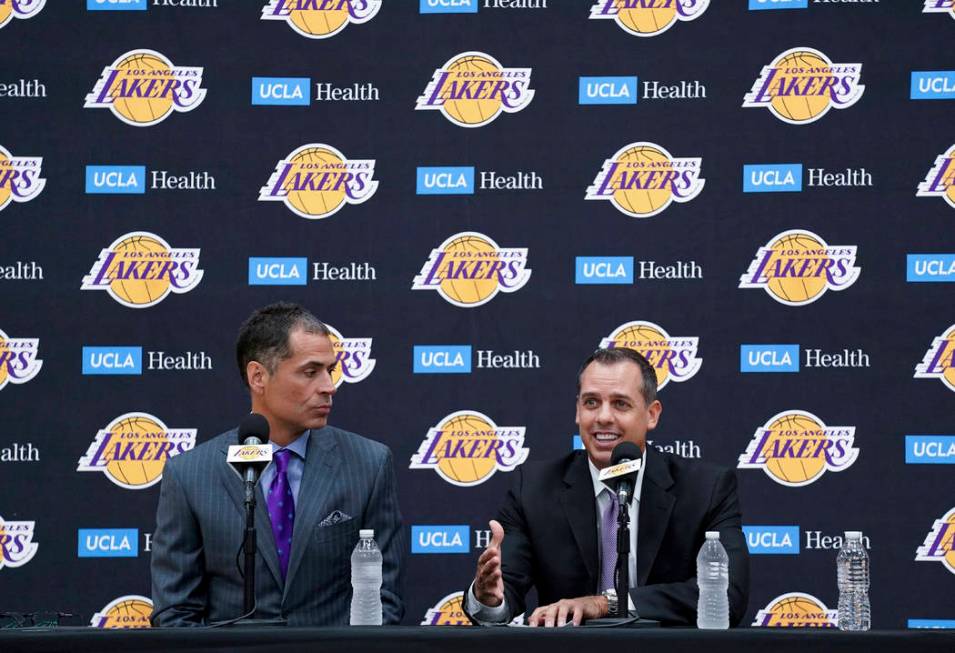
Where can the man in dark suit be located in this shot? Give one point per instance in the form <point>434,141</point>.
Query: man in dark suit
<point>555,531</point>
<point>322,486</point>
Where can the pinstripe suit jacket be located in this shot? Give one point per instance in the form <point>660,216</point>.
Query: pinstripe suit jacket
<point>200,523</point>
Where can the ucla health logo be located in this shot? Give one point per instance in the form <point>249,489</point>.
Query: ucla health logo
<point>795,448</point>
<point>441,359</point>
<point>140,269</point>
<point>16,543</point>
<point>939,7</point>
<point>316,180</point>
<point>107,543</point>
<point>612,270</point>
<point>772,540</point>
<point>796,267</point>
<point>796,610</point>
<point>673,357</point>
<point>757,5</point>
<point>473,88</point>
<point>447,612</point>
<point>467,447</point>
<point>643,18</point>
<point>802,84</point>
<point>19,9</point>
<point>938,546</point>
<point>468,269</point>
<point>768,358</point>
<point>20,179</point>
<point>930,268</point>
<point>939,180</point>
<point>440,539</point>
<point>930,449</point>
<point>939,360</point>
<point>320,19</point>
<point>444,180</point>
<point>279,91</point>
<point>932,85</point>
<point>18,359</point>
<point>772,178</point>
<point>143,88</point>
<point>607,90</point>
<point>642,179</point>
<point>353,356</point>
<point>130,611</point>
<point>112,360</point>
<point>133,449</point>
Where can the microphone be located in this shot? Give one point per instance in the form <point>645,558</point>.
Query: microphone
<point>254,452</point>
<point>622,473</point>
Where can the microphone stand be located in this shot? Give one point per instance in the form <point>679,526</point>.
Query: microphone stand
<point>622,574</point>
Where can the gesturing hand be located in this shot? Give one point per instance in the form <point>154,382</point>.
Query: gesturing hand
<point>489,580</point>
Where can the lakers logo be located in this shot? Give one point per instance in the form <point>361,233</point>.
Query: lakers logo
<point>140,269</point>
<point>353,356</point>
<point>16,543</point>
<point>939,360</point>
<point>648,17</point>
<point>939,7</point>
<point>940,180</point>
<point>642,179</point>
<point>130,611</point>
<point>18,359</point>
<point>143,88</point>
<point>674,358</point>
<point>19,177</point>
<point>316,180</point>
<point>447,612</point>
<point>938,545</point>
<point>133,450</point>
<point>796,610</point>
<point>10,9</point>
<point>796,267</point>
<point>467,447</point>
<point>469,269</point>
<point>320,19</point>
<point>472,89</point>
<point>802,84</point>
<point>795,448</point>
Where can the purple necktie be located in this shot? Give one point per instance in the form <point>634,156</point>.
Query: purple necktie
<point>608,544</point>
<point>282,508</point>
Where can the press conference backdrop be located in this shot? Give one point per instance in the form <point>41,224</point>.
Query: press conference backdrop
<point>756,194</point>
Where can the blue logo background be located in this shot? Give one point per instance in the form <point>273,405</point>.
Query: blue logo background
<point>448,7</point>
<point>770,540</point>
<point>756,177</point>
<point>750,358</point>
<point>113,5</point>
<point>586,264</point>
<point>623,90</point>
<point>946,262</point>
<point>940,85</point>
<point>87,542</point>
<point>757,5</point>
<point>917,448</point>
<point>425,539</point>
<point>121,354</point>
<point>133,178</point>
<point>426,177</point>
<point>422,366</point>
<point>290,85</point>
<point>260,277</point>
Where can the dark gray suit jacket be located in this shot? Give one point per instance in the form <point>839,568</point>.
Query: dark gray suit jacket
<point>200,523</point>
<point>550,535</point>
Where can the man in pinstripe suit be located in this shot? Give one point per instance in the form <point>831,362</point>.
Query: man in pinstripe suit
<point>338,482</point>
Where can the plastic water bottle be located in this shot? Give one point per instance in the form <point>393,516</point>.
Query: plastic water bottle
<point>713,579</point>
<point>852,567</point>
<point>366,581</point>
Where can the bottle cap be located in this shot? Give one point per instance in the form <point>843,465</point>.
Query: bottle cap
<point>853,535</point>
<point>712,535</point>
<point>366,533</point>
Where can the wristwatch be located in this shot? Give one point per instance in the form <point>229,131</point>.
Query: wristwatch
<point>611,596</point>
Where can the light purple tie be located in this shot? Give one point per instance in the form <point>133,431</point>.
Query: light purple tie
<point>608,544</point>
<point>282,509</point>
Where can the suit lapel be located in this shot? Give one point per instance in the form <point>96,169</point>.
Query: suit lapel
<point>322,466</point>
<point>265,542</point>
<point>578,502</point>
<point>656,504</point>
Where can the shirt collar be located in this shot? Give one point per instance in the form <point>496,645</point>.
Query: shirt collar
<point>298,446</point>
<point>599,486</point>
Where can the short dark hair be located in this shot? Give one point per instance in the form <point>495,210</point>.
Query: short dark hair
<point>263,337</point>
<point>618,355</point>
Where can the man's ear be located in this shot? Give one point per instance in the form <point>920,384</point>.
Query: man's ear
<point>257,376</point>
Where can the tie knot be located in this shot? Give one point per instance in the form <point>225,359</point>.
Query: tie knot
<point>281,458</point>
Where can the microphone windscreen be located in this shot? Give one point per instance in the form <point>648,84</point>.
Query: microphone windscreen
<point>254,426</point>
<point>625,451</point>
